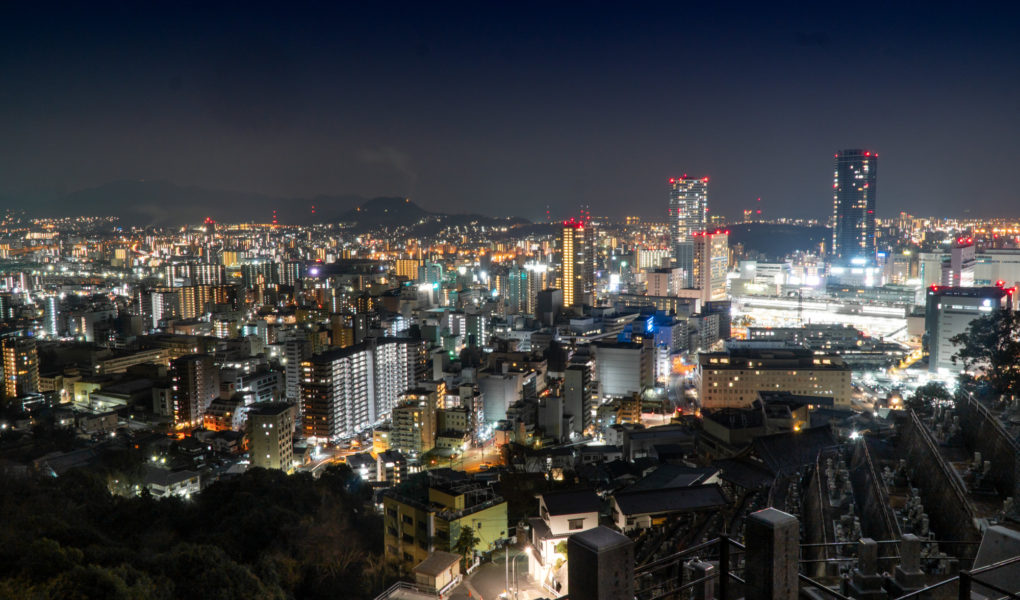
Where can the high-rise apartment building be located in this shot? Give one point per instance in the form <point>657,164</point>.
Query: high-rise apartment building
<point>348,389</point>
<point>51,316</point>
<point>711,261</point>
<point>578,396</point>
<point>413,431</point>
<point>21,366</point>
<point>577,266</point>
<point>688,214</point>
<point>194,383</point>
<point>853,204</point>
<point>271,436</point>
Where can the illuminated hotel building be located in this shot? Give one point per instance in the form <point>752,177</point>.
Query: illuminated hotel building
<point>577,263</point>
<point>688,213</point>
<point>711,260</point>
<point>853,205</point>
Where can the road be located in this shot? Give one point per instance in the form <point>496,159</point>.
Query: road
<point>472,459</point>
<point>489,581</point>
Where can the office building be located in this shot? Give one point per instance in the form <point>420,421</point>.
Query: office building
<point>711,263</point>
<point>664,282</point>
<point>271,436</point>
<point>577,263</point>
<point>688,214</point>
<point>732,379</point>
<point>195,382</point>
<point>948,313</point>
<point>623,368</point>
<point>853,198</point>
<point>549,305</point>
<point>523,285</point>
<point>958,267</point>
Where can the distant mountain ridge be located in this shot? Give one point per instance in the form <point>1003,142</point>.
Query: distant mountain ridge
<point>162,203</point>
<point>401,212</point>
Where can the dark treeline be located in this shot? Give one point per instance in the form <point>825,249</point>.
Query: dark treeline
<point>261,535</point>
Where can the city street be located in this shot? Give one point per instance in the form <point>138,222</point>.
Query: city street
<point>489,581</point>
<point>472,459</point>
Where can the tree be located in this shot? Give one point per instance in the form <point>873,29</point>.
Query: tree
<point>991,348</point>
<point>466,542</point>
<point>927,395</point>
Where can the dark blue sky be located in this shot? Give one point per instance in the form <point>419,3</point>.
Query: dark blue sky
<point>505,108</point>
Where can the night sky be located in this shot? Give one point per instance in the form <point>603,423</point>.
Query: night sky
<point>507,107</point>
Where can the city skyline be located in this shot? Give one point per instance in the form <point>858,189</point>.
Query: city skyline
<point>526,301</point>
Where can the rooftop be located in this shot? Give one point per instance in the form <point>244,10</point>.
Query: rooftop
<point>571,502</point>
<point>683,499</point>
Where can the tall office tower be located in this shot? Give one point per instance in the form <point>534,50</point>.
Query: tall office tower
<point>711,259</point>
<point>853,207</point>
<point>577,243</point>
<point>194,382</point>
<point>271,435</point>
<point>21,366</point>
<point>51,316</point>
<point>517,290</point>
<point>688,213</point>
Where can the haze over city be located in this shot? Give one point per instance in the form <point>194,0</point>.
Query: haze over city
<point>506,109</point>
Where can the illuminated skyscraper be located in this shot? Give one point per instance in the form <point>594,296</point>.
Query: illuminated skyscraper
<point>688,213</point>
<point>711,260</point>
<point>21,366</point>
<point>853,206</point>
<point>577,242</point>
<point>51,316</point>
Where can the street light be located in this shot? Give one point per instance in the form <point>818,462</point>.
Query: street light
<point>517,588</point>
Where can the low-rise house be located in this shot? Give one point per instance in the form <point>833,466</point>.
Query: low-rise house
<point>439,573</point>
<point>644,508</point>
